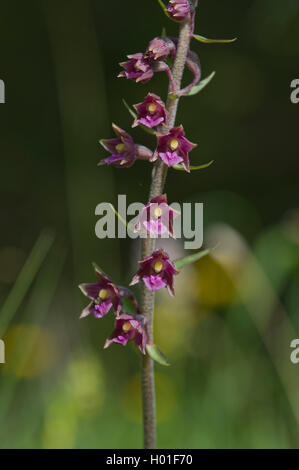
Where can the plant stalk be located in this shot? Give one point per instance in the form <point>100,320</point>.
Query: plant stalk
<point>148,244</point>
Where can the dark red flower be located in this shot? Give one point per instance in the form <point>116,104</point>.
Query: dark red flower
<point>123,149</point>
<point>173,148</point>
<point>129,328</point>
<point>151,112</point>
<point>157,217</point>
<point>138,68</point>
<point>156,271</point>
<point>104,294</point>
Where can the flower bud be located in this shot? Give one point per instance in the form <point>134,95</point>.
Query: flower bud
<point>179,10</point>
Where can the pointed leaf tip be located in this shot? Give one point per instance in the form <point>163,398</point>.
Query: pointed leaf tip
<point>154,352</point>
<point>180,263</point>
<point>193,168</point>
<point>213,41</point>
<point>133,114</point>
<point>201,85</point>
<point>162,5</point>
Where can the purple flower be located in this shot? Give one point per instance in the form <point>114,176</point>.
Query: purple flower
<point>171,158</point>
<point>127,328</point>
<point>123,149</point>
<point>173,148</point>
<point>159,49</point>
<point>157,217</point>
<point>138,68</point>
<point>178,10</point>
<point>104,294</point>
<point>156,271</point>
<point>151,112</point>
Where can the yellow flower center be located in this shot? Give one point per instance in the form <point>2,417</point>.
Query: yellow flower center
<point>103,294</point>
<point>157,212</point>
<point>120,148</point>
<point>174,143</point>
<point>158,266</point>
<point>152,107</point>
<point>126,327</point>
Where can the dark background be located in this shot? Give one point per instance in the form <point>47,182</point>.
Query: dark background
<point>231,383</point>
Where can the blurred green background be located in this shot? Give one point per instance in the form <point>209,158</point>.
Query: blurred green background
<point>227,334</point>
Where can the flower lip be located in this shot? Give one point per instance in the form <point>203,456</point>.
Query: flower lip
<point>171,158</point>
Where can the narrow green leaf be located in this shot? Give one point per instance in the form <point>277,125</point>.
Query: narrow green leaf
<point>180,263</point>
<point>163,7</point>
<point>129,227</point>
<point>193,168</point>
<point>96,266</point>
<point>117,215</point>
<point>202,84</point>
<point>164,33</point>
<point>213,41</point>
<point>154,352</point>
<point>26,277</point>
<point>134,115</point>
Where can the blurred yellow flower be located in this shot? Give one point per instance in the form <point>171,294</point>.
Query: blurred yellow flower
<point>30,350</point>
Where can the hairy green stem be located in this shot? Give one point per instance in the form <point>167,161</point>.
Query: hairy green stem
<point>148,245</point>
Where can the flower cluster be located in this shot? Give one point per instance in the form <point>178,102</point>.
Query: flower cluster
<point>172,146</point>
<point>104,295</point>
<point>155,271</point>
